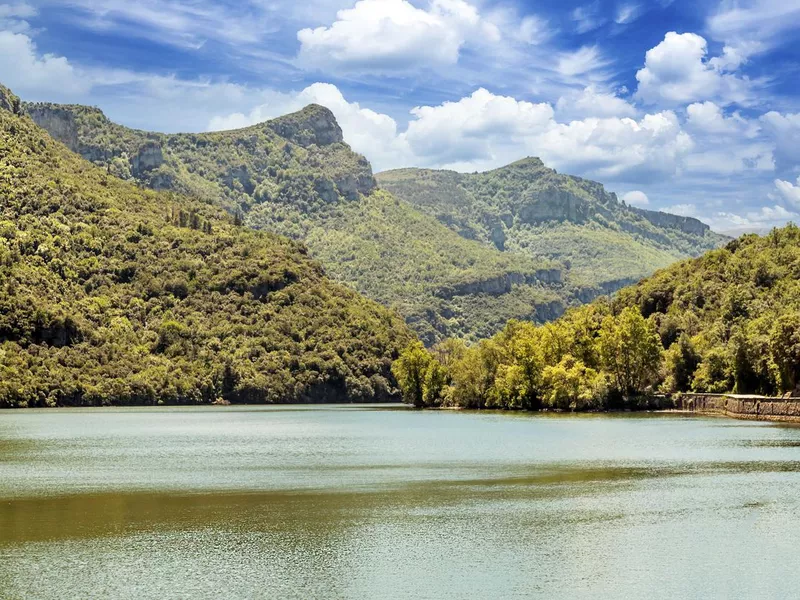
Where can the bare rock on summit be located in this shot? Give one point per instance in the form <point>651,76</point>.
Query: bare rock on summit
<point>314,124</point>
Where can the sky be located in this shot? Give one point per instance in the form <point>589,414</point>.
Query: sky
<point>688,107</point>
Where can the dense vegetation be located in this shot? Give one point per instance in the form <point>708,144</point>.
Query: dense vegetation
<point>527,209</point>
<point>114,294</point>
<point>296,177</point>
<point>726,322</point>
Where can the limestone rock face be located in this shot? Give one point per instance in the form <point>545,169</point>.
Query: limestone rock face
<point>361,181</point>
<point>59,122</point>
<point>502,284</point>
<point>149,157</point>
<point>313,125</point>
<point>9,102</point>
<point>684,224</point>
<point>552,203</point>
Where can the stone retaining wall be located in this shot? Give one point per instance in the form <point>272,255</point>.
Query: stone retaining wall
<point>741,407</point>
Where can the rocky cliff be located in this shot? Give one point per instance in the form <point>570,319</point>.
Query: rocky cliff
<point>670,221</point>
<point>9,102</point>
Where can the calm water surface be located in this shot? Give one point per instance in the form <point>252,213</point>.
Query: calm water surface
<point>345,502</point>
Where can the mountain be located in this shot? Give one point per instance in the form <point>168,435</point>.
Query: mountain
<point>295,176</point>
<point>528,209</point>
<point>456,255</point>
<point>112,294</point>
<point>728,321</point>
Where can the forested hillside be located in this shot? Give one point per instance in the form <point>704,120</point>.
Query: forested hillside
<point>295,176</point>
<point>726,322</point>
<point>528,209</point>
<point>111,294</point>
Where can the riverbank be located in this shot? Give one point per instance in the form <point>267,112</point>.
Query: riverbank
<point>738,406</point>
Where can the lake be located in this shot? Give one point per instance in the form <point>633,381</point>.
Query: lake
<point>386,502</point>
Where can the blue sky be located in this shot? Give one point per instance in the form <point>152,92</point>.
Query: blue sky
<point>691,107</point>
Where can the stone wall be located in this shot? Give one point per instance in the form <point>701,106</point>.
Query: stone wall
<point>741,407</point>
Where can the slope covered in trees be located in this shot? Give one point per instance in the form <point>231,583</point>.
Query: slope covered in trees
<point>295,176</point>
<point>528,209</point>
<point>726,322</point>
<point>114,294</point>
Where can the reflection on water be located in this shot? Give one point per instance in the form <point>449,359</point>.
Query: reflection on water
<point>345,502</point>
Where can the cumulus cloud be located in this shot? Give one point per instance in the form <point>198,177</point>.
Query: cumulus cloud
<point>708,117</point>
<point>789,192</point>
<point>676,72</point>
<point>784,130</point>
<point>376,35</point>
<point>471,129</point>
<point>593,102</point>
<point>31,75</point>
<point>636,198</point>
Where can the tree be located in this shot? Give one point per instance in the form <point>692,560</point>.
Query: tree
<point>785,346</point>
<point>410,370</point>
<point>631,351</point>
<point>681,362</point>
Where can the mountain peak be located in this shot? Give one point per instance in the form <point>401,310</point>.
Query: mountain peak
<point>9,102</point>
<point>528,162</point>
<point>314,124</point>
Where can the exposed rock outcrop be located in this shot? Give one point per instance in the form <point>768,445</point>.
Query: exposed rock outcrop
<point>149,157</point>
<point>501,284</point>
<point>314,124</point>
<point>9,101</point>
<point>553,203</point>
<point>59,122</point>
<point>684,224</point>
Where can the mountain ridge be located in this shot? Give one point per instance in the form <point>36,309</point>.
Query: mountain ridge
<point>295,176</point>
<point>115,294</point>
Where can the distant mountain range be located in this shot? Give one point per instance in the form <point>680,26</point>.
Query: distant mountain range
<point>455,254</point>
<point>528,209</point>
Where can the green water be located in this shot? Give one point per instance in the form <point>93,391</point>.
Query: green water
<point>343,502</point>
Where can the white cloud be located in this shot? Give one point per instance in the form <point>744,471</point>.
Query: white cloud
<point>709,118</point>
<point>174,22</point>
<point>627,13</point>
<point>376,35</point>
<point>636,198</point>
<point>469,130</point>
<point>12,17</point>
<point>591,102</point>
<point>532,30</point>
<point>581,61</point>
<point>784,130</point>
<point>751,26</point>
<point>676,72</point>
<point>789,192</point>
<point>587,18</point>
<point>485,131</point>
<point>26,73</point>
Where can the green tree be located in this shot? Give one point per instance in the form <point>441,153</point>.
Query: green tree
<point>785,345</point>
<point>631,351</point>
<point>410,370</point>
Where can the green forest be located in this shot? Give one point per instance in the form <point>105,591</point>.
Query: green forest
<point>726,322</point>
<point>528,209</point>
<point>456,255</point>
<point>116,294</point>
